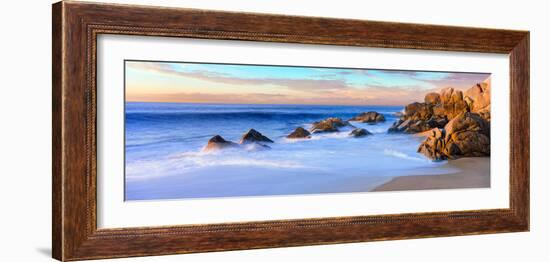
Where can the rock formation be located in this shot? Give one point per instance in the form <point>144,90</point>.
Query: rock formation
<point>359,132</point>
<point>369,117</point>
<point>299,132</point>
<point>253,136</point>
<point>466,135</point>
<point>217,142</point>
<point>457,123</point>
<point>438,108</point>
<point>331,124</point>
<point>452,103</point>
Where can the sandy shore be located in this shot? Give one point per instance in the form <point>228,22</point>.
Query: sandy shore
<point>474,173</point>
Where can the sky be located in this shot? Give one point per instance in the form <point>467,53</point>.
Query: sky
<point>263,84</point>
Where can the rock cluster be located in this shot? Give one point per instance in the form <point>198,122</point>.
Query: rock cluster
<point>439,108</point>
<point>458,122</point>
<point>254,140</point>
<point>466,135</point>
<point>252,137</point>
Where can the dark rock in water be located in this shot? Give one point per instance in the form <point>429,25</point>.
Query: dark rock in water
<point>299,132</point>
<point>369,117</point>
<point>359,132</point>
<point>217,142</point>
<point>466,135</point>
<point>395,126</point>
<point>253,136</point>
<point>329,125</point>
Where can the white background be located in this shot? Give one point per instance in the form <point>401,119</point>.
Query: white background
<point>25,147</point>
<point>114,212</point>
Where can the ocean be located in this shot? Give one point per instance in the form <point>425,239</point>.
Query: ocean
<point>164,157</point>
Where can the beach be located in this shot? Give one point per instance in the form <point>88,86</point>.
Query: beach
<point>473,172</point>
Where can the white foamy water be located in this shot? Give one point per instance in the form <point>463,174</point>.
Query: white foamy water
<point>164,157</point>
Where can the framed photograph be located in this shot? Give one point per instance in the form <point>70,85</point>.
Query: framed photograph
<point>182,130</point>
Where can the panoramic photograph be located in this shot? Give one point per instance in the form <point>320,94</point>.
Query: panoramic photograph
<point>210,130</point>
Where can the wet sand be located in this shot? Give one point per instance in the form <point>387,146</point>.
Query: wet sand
<point>474,173</point>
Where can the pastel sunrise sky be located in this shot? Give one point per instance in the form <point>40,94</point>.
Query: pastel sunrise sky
<point>253,84</point>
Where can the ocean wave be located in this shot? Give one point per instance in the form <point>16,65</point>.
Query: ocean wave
<point>232,158</point>
<point>178,164</point>
<point>395,153</point>
<point>254,162</point>
<point>202,116</point>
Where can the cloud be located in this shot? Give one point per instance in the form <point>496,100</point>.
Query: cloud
<point>326,86</point>
<point>218,77</point>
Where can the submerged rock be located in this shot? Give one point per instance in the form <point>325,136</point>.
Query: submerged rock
<point>331,124</point>
<point>299,132</point>
<point>369,117</point>
<point>253,136</point>
<point>359,132</point>
<point>217,142</point>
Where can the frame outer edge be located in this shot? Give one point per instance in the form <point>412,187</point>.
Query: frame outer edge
<point>520,126</point>
<point>72,239</point>
<point>57,122</point>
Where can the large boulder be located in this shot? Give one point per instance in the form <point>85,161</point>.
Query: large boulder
<point>217,142</point>
<point>331,124</point>
<point>479,99</point>
<point>299,132</point>
<point>359,132</point>
<point>253,136</point>
<point>418,111</point>
<point>468,122</point>
<point>369,117</point>
<point>466,135</point>
<point>452,104</point>
<point>432,98</point>
<point>433,146</point>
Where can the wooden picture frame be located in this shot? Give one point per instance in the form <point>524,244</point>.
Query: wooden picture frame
<point>76,26</point>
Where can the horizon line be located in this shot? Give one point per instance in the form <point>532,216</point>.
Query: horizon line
<point>222,103</point>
